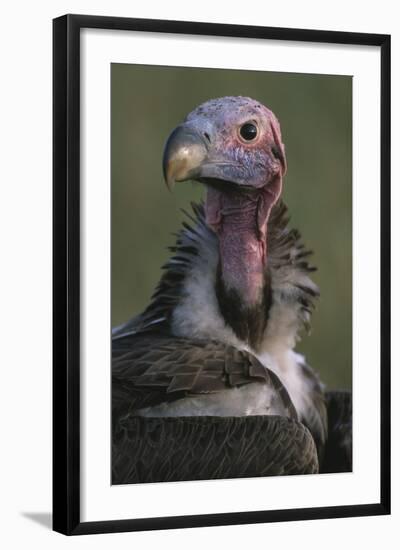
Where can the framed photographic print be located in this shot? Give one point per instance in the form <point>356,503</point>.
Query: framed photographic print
<point>221,274</point>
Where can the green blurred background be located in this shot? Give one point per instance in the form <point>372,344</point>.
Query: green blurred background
<point>315,112</point>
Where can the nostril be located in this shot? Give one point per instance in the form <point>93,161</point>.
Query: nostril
<point>207,137</point>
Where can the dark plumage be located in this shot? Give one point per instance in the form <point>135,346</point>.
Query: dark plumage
<point>338,453</point>
<point>170,368</point>
<point>212,354</point>
<point>192,448</point>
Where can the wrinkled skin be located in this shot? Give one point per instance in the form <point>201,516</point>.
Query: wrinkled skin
<point>243,179</point>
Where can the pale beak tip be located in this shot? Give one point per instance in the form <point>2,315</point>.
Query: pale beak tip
<point>170,183</point>
<point>183,155</point>
<point>169,175</point>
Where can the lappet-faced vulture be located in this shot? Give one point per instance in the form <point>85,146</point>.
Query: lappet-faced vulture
<point>206,381</point>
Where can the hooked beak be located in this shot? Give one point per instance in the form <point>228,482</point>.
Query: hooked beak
<point>184,154</point>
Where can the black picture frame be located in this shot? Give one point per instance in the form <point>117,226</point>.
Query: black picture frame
<point>66,272</point>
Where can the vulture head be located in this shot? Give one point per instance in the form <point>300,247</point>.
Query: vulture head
<point>233,145</point>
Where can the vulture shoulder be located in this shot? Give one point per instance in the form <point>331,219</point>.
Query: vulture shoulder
<point>161,375</point>
<point>157,371</point>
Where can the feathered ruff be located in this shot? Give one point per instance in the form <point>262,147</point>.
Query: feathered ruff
<point>287,255</point>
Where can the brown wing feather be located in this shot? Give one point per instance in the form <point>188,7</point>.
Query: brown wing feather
<point>177,449</point>
<point>148,370</point>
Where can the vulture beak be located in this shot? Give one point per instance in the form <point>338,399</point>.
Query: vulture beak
<point>184,153</point>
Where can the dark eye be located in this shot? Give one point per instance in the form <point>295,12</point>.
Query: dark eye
<point>248,131</point>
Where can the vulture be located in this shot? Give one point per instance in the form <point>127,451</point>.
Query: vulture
<point>206,382</point>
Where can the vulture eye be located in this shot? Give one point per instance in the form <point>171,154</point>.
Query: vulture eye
<point>248,131</point>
